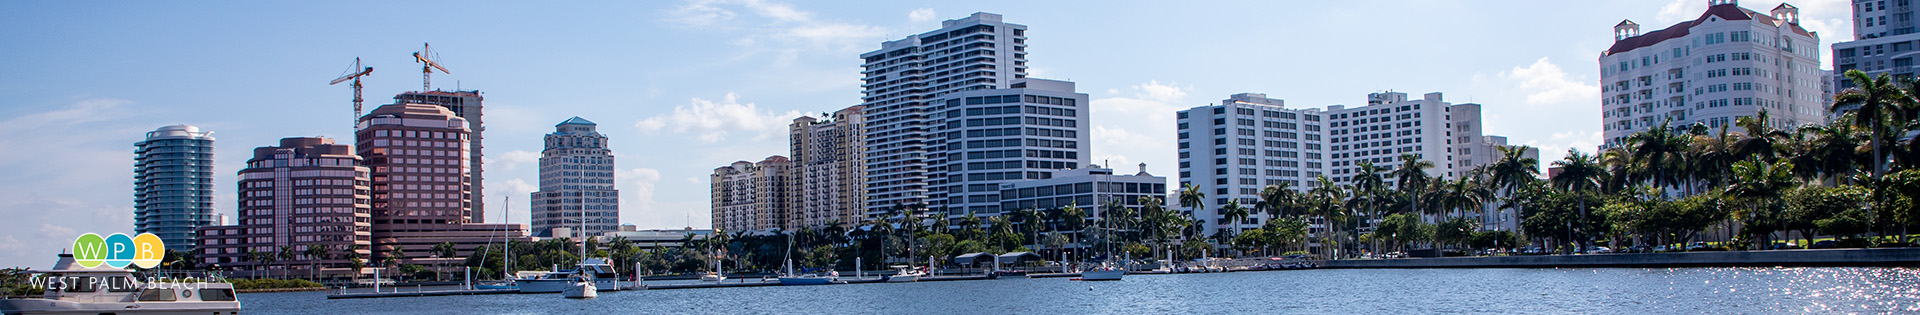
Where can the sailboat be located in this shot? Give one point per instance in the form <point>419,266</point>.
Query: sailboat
<point>506,264</point>
<point>789,278</point>
<point>1107,270</point>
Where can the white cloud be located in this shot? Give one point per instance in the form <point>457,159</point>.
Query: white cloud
<point>712,121</point>
<point>1137,128</point>
<point>512,159</point>
<point>921,15</point>
<point>1555,148</point>
<point>1676,11</point>
<point>777,23</point>
<point>1546,83</point>
<point>637,198</point>
<point>11,244</point>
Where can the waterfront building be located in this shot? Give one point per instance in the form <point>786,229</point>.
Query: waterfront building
<point>906,79</point>
<point>467,105</point>
<point>751,196</point>
<point>1726,64</point>
<point>419,157</point>
<point>173,184</point>
<point>1089,188</point>
<point>576,181</point>
<point>1234,149</point>
<point>984,138</point>
<point>829,168</point>
<point>654,239</point>
<point>303,193</point>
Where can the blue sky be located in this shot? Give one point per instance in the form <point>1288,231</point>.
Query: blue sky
<point>683,87</point>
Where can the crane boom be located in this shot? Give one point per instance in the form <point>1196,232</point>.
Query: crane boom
<point>425,57</point>
<point>355,77</point>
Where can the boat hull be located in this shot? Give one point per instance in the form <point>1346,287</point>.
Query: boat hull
<point>805,281</point>
<point>558,285</point>
<point>580,291</point>
<point>904,278</point>
<point>1102,275</point>
<point>43,306</point>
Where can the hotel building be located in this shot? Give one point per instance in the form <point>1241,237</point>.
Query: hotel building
<point>422,188</point>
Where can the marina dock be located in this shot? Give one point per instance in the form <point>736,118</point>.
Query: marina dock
<point>364,295</point>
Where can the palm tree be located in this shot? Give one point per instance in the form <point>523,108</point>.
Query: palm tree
<point>1192,198</point>
<point>1657,151</point>
<point>1411,178</point>
<point>1368,190</point>
<point>1072,218</point>
<point>286,256</point>
<point>1327,207</point>
<point>446,250</point>
<point>1760,185</point>
<point>315,253</point>
<point>1579,174</point>
<point>393,258</point>
<point>1234,213</point>
<point>1874,101</point>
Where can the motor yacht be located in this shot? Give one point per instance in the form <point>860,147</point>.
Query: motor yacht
<point>73,289</point>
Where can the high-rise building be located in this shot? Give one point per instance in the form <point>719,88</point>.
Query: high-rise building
<point>906,79</point>
<point>984,138</point>
<point>1728,63</point>
<point>1391,124</point>
<point>751,196</point>
<point>829,165</point>
<point>1883,42</point>
<point>306,192</point>
<point>466,105</point>
<point>419,157</point>
<point>1235,149</point>
<point>1232,150</point>
<point>173,184</point>
<point>576,182</point>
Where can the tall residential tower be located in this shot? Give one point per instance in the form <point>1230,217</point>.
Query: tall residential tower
<point>906,79</point>
<point>173,184</point>
<point>829,164</point>
<point>304,193</point>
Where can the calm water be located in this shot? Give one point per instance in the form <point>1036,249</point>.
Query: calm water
<point>1604,291</point>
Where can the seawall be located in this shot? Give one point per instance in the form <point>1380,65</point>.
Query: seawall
<point>1900,257</point>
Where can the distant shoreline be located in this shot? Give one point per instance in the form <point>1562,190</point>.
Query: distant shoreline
<point>1857,257</point>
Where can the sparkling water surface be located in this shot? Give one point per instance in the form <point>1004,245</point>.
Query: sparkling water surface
<point>1373,291</point>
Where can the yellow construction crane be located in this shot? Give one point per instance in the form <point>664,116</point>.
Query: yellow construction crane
<point>357,72</point>
<point>426,71</point>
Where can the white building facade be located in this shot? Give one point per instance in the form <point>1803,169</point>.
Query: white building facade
<point>994,136</point>
<point>1728,63</point>
<point>906,79</point>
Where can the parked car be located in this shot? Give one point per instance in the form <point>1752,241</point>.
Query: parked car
<point>1700,246</point>
<point>1822,244</point>
<point>1786,245</point>
<point>1600,250</point>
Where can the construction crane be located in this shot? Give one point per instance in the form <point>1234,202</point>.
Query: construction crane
<point>357,72</point>
<point>426,70</point>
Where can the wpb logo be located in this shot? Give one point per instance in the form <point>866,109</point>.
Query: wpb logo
<point>118,250</point>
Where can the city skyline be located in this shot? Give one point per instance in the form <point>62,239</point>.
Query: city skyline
<point>80,102</point>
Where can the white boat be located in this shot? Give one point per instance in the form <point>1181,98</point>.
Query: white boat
<point>712,277</point>
<point>108,290</point>
<point>604,278</point>
<point>906,274</point>
<point>581,288</point>
<point>1103,273</point>
<point>807,280</point>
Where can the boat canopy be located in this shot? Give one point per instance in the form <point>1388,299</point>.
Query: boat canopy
<point>1019,257</point>
<point>973,258</point>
